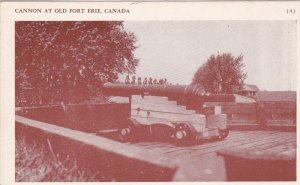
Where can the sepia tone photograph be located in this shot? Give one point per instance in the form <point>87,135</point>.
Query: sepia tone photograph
<point>145,101</point>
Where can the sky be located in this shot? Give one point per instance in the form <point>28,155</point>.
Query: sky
<point>176,49</point>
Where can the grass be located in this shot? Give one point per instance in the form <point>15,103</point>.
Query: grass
<point>34,164</point>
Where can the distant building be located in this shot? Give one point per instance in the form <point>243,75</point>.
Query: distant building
<point>248,90</point>
<point>276,96</point>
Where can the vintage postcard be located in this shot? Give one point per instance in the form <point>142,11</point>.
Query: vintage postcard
<point>149,92</point>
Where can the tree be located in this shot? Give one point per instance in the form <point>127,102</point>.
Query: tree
<point>222,73</point>
<point>69,61</point>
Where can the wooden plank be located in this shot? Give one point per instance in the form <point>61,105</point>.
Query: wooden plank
<point>235,138</point>
<point>204,169</point>
<point>172,147</point>
<point>205,148</point>
<point>202,150</point>
<point>160,145</point>
<point>264,144</point>
<point>163,117</point>
<point>276,147</point>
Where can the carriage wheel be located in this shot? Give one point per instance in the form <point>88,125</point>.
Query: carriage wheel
<point>223,133</point>
<point>128,133</point>
<point>184,134</point>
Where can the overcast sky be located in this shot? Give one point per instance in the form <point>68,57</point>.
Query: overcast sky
<point>175,49</point>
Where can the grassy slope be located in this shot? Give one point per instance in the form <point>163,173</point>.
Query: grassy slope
<point>33,164</point>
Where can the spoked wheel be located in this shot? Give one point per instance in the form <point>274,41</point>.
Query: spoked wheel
<point>223,133</point>
<point>184,134</point>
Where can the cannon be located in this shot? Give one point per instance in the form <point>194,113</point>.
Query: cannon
<point>170,112</point>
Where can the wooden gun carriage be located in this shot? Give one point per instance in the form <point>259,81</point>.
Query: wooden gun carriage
<point>170,112</point>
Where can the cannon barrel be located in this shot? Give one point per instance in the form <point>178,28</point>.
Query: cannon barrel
<point>154,90</point>
<point>174,92</point>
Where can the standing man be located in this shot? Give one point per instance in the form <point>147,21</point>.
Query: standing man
<point>139,80</point>
<point>127,79</point>
<point>150,81</point>
<point>133,80</point>
<point>145,81</point>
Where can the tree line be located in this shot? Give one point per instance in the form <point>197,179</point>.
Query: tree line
<point>69,61</point>
<point>221,73</point>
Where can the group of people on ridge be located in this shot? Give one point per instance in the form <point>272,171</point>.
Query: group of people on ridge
<point>146,81</point>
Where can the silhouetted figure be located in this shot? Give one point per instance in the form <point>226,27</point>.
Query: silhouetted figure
<point>150,81</point>
<point>261,115</point>
<point>133,80</point>
<point>160,81</point>
<point>139,80</point>
<point>154,81</point>
<point>165,81</point>
<point>127,80</point>
<point>145,81</point>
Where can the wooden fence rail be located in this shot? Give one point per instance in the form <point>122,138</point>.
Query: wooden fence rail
<point>251,113</point>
